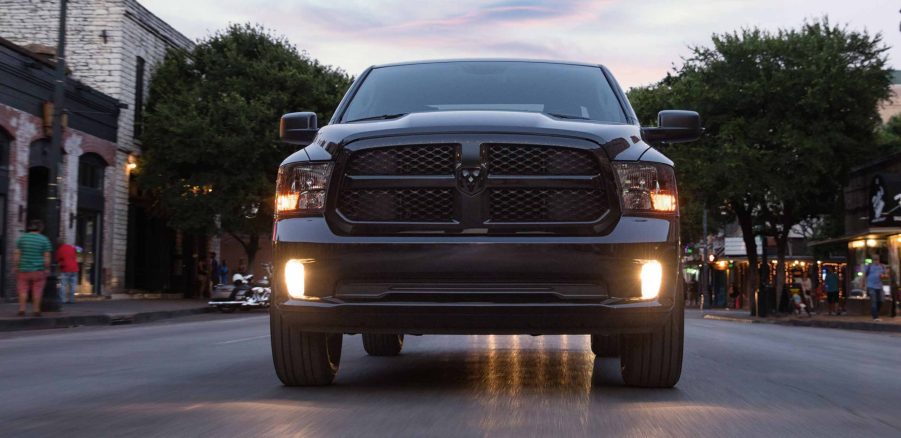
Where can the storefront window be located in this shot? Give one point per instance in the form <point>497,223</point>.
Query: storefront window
<point>893,261</point>
<point>861,254</point>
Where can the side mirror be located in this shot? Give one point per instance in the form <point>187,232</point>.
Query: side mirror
<point>298,128</point>
<point>674,126</point>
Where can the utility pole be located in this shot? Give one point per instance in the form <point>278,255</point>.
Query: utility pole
<point>764,297</point>
<point>705,265</point>
<point>51,227</point>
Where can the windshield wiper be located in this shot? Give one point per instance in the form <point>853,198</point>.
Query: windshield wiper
<point>567,116</point>
<point>379,117</point>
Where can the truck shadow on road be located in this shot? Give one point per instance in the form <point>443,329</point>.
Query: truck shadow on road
<point>527,372</point>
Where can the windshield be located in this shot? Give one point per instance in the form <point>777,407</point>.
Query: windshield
<point>561,90</point>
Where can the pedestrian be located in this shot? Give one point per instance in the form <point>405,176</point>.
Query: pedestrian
<point>735,294</point>
<point>203,276</point>
<point>693,292</point>
<point>66,257</point>
<point>223,272</point>
<point>31,259</point>
<point>242,267</point>
<point>214,268</point>
<point>873,274</point>
<point>807,291</point>
<point>798,304</point>
<point>831,285</point>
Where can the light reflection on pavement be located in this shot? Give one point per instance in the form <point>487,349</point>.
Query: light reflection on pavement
<point>214,377</point>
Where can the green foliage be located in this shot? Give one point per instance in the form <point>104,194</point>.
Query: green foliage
<point>889,135</point>
<point>210,139</point>
<point>787,114</point>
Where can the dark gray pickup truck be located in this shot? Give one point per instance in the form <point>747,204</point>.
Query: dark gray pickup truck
<point>479,196</point>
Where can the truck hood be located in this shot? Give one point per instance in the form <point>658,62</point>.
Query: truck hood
<point>619,141</point>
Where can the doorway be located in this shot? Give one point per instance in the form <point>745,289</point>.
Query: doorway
<point>87,241</point>
<point>89,223</point>
<point>38,180</point>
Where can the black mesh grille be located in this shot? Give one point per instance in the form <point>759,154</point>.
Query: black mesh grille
<point>514,159</point>
<point>400,205</point>
<point>546,205</point>
<point>410,188</point>
<point>404,160</point>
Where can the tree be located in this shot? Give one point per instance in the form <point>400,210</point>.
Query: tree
<point>787,114</point>
<point>211,148</point>
<point>889,135</point>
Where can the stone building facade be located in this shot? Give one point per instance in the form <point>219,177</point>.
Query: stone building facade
<point>89,146</point>
<point>112,46</point>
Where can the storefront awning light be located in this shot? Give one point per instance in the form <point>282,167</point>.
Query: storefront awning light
<point>871,242</point>
<point>858,244</point>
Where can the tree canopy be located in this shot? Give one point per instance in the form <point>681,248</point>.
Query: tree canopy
<point>210,138</point>
<point>786,114</point>
<point>889,136</point>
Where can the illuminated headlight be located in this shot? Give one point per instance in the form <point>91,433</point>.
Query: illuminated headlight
<point>294,278</point>
<point>301,188</point>
<point>651,277</point>
<point>646,187</point>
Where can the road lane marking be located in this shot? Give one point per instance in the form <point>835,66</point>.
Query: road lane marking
<point>234,341</point>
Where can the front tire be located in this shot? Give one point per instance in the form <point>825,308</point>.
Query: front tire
<point>605,345</point>
<point>377,344</point>
<point>654,360</point>
<point>302,358</point>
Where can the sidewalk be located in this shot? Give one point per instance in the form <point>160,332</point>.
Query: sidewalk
<point>846,322</point>
<point>105,312</point>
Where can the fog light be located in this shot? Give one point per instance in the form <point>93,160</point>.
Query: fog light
<point>651,277</point>
<point>294,278</point>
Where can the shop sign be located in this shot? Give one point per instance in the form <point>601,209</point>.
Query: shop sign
<point>885,201</point>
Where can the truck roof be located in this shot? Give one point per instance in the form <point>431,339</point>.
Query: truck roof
<point>438,61</point>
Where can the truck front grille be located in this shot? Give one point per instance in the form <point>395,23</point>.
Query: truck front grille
<point>517,159</point>
<point>398,205</point>
<point>404,160</point>
<point>545,205</point>
<point>471,186</point>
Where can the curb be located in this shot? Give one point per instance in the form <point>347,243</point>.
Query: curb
<point>50,322</point>
<point>832,324</point>
<point>732,319</point>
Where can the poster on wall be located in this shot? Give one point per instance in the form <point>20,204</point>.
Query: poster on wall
<point>885,201</point>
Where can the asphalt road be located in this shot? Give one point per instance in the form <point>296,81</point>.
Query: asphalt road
<point>212,376</point>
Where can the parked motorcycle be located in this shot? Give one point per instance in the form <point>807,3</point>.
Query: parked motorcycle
<point>243,293</point>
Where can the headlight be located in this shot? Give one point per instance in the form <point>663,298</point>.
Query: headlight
<point>651,277</point>
<point>647,187</point>
<point>294,278</point>
<point>301,188</point>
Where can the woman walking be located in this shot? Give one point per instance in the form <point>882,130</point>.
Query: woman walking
<point>32,261</point>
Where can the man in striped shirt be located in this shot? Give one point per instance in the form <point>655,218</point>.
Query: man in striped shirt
<point>32,260</point>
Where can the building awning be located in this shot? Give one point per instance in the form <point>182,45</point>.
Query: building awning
<point>772,256</point>
<point>872,233</point>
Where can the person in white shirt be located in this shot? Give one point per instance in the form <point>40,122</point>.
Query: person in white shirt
<point>807,291</point>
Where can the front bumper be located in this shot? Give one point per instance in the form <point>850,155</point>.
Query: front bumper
<point>474,318</point>
<point>470,284</point>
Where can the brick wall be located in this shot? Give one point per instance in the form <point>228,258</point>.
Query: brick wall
<point>25,129</point>
<point>104,40</point>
